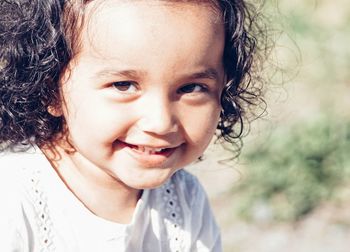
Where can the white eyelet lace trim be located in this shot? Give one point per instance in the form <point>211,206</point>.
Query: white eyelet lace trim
<point>43,220</point>
<point>174,220</point>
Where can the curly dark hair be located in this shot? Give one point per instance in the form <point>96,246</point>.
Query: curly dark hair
<point>38,38</point>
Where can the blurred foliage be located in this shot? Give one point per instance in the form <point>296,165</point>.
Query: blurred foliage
<point>296,169</point>
<point>306,159</point>
<point>321,31</point>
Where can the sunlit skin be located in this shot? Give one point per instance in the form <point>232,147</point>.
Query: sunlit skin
<point>148,74</point>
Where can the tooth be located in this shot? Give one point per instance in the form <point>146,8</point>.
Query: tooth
<point>149,150</point>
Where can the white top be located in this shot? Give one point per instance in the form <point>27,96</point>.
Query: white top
<point>39,213</point>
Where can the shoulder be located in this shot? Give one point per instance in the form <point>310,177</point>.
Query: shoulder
<point>13,167</point>
<point>10,162</point>
<point>17,172</point>
<point>16,169</point>
<point>18,158</point>
<point>10,172</point>
<point>16,163</point>
<point>22,199</point>
<point>14,201</point>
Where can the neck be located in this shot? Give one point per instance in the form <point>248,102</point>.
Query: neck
<point>103,194</point>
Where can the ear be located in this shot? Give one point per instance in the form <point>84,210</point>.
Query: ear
<point>55,111</point>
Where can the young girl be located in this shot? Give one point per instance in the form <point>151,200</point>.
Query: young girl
<point>103,102</point>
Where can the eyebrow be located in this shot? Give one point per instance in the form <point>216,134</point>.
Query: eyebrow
<point>209,73</point>
<point>132,74</point>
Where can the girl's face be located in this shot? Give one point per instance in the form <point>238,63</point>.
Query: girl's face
<point>142,98</point>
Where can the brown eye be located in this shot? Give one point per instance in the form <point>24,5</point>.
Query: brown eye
<point>125,86</point>
<point>192,88</point>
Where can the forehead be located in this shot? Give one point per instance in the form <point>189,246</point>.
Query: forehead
<point>117,20</point>
<point>151,36</point>
<point>155,8</point>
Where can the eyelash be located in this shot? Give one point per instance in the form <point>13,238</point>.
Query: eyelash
<point>192,86</point>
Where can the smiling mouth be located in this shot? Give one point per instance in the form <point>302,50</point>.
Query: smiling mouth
<point>145,150</point>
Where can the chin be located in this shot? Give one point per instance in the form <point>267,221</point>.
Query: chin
<point>149,181</point>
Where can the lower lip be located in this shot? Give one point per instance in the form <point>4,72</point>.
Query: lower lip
<point>147,159</point>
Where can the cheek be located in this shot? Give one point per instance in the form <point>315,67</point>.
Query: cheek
<point>101,121</point>
<point>200,124</point>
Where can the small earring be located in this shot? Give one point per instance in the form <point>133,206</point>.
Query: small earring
<point>54,111</point>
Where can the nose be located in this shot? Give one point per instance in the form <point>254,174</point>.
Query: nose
<point>158,116</point>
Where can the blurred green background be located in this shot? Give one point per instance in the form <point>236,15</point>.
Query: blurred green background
<point>290,188</point>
